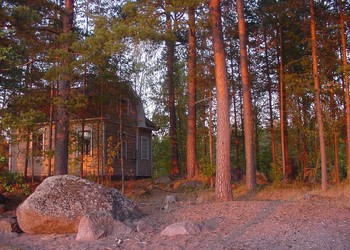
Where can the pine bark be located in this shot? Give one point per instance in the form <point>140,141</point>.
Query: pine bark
<point>191,119</point>
<point>170,59</point>
<point>336,173</point>
<point>346,83</point>
<point>247,101</point>
<point>282,107</point>
<point>62,114</point>
<point>52,91</point>
<point>319,115</point>
<point>223,175</point>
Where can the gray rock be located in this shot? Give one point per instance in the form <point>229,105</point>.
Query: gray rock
<point>169,199</point>
<point>182,228</point>
<point>9,225</point>
<point>98,225</point>
<point>143,227</point>
<point>192,185</point>
<point>59,202</point>
<point>163,180</point>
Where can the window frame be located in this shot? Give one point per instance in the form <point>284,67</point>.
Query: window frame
<point>145,146</point>
<point>81,141</point>
<point>125,106</point>
<point>38,149</point>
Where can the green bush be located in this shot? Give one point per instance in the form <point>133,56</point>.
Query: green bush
<point>276,173</point>
<point>12,182</point>
<point>206,168</point>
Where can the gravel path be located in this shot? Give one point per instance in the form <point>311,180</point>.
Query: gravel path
<point>309,222</point>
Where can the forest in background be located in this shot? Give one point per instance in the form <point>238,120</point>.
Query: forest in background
<point>297,78</point>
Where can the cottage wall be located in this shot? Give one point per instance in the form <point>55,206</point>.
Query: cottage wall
<point>100,156</point>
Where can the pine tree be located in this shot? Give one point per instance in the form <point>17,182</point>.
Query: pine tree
<point>223,175</point>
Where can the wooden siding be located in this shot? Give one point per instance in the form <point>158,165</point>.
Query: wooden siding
<point>96,161</point>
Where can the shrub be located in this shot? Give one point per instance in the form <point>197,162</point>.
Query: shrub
<point>12,182</point>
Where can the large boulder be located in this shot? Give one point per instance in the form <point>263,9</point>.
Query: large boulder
<point>59,202</point>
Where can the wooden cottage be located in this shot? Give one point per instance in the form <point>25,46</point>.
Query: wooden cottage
<point>111,132</point>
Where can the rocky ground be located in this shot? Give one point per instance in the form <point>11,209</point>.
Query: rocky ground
<point>273,217</point>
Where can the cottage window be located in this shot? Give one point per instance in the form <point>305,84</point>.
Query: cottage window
<point>38,143</point>
<point>84,142</point>
<point>124,106</point>
<point>144,148</point>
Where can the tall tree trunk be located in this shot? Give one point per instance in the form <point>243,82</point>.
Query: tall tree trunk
<point>336,176</point>
<point>336,157</point>
<point>52,92</point>
<point>191,119</point>
<point>121,139</point>
<point>170,59</point>
<point>317,97</point>
<point>269,82</point>
<point>26,162</point>
<point>83,129</point>
<point>283,117</point>
<point>346,83</point>
<point>247,101</point>
<point>223,175</point>
<point>62,115</point>
<point>211,143</point>
<point>98,148</point>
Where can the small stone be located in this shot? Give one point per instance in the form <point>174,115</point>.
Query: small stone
<point>143,227</point>
<point>95,226</point>
<point>169,199</point>
<point>182,228</point>
<point>9,225</point>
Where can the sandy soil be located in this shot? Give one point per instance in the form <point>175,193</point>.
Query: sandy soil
<point>270,218</point>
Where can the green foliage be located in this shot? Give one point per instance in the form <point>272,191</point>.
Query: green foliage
<point>161,156</point>
<point>12,182</point>
<point>112,152</point>
<point>206,168</point>
<point>276,173</point>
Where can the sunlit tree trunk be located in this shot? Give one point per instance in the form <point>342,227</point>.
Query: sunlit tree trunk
<point>170,59</point>
<point>26,161</point>
<point>283,118</point>
<point>317,97</point>
<point>211,143</point>
<point>121,140</point>
<point>247,101</point>
<point>336,176</point>
<point>62,115</point>
<point>52,92</point>
<point>336,156</point>
<point>346,83</point>
<point>223,175</point>
<point>83,115</point>
<point>191,119</point>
